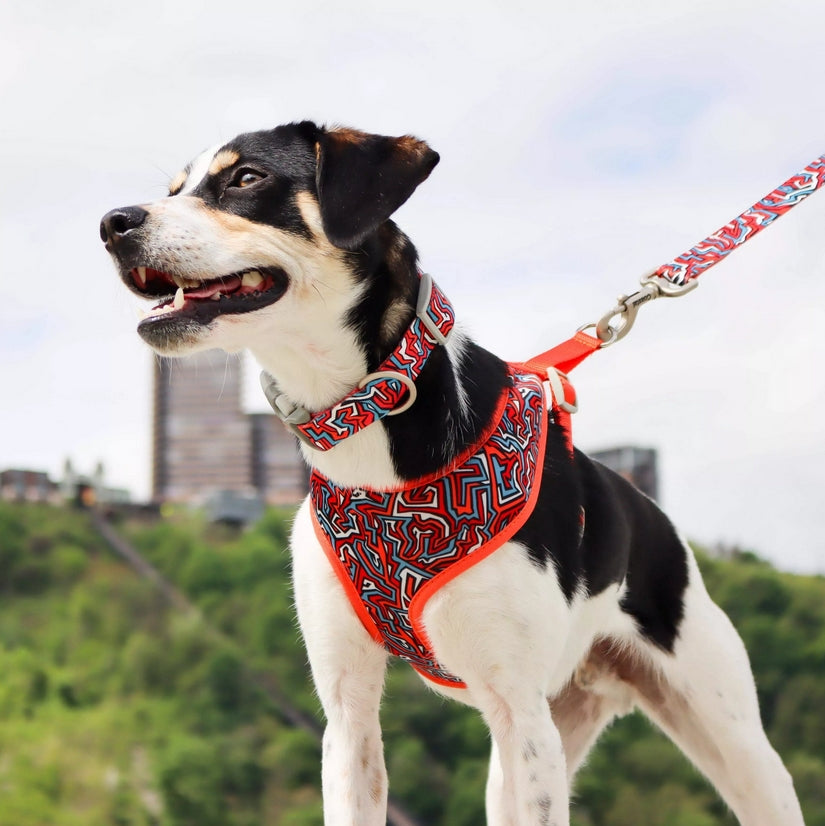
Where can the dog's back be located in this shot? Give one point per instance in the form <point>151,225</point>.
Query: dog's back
<point>281,242</point>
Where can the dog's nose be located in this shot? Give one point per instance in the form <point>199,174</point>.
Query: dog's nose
<point>118,222</point>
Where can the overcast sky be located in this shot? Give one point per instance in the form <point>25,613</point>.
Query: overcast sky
<point>582,144</point>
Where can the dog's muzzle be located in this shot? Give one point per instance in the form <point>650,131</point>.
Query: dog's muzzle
<point>116,226</point>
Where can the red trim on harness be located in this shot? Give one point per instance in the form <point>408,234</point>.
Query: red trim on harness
<point>349,588</point>
<point>419,601</point>
<point>563,358</point>
<point>392,549</point>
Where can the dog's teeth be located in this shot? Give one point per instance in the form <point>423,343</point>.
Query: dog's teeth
<point>179,299</point>
<point>252,279</point>
<point>215,296</point>
<point>140,273</point>
<point>179,280</point>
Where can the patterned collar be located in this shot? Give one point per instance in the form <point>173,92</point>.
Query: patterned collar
<point>381,393</point>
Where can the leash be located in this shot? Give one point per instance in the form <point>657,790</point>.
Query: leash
<point>391,389</point>
<point>673,279</point>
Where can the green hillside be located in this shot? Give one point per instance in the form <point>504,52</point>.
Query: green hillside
<point>115,709</point>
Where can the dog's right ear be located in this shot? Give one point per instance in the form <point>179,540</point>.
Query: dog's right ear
<point>362,179</point>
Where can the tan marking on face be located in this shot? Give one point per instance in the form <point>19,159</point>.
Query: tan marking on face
<point>311,213</point>
<point>177,182</point>
<point>264,245</point>
<point>223,160</point>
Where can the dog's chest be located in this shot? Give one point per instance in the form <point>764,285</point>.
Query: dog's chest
<point>392,550</point>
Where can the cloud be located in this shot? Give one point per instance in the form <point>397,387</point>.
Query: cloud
<point>581,146</point>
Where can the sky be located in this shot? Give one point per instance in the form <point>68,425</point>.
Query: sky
<point>581,145</point>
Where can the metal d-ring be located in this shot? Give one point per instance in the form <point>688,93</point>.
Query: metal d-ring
<point>412,391</point>
<point>611,334</point>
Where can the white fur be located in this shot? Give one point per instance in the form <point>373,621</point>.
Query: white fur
<point>507,630</point>
<point>530,660</point>
<point>199,168</point>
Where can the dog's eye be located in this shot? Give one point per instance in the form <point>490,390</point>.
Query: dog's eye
<point>246,177</point>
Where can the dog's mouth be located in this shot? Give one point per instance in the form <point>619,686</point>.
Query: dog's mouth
<point>204,300</point>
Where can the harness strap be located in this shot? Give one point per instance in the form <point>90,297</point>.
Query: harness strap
<point>552,367</point>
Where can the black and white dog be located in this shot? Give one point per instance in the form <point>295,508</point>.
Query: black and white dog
<point>281,242</point>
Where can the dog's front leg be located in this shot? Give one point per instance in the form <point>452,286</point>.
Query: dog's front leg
<point>527,781</point>
<point>348,670</point>
<point>501,626</point>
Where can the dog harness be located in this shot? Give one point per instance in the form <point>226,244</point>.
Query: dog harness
<point>392,550</point>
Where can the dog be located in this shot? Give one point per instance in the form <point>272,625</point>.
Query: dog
<point>580,605</point>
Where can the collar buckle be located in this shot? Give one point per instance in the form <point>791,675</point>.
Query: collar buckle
<point>287,411</point>
<point>388,391</point>
<point>425,292</point>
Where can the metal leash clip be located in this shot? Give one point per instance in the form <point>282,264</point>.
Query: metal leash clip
<point>627,306</point>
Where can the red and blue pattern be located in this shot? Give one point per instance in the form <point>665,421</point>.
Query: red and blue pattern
<point>392,549</point>
<point>714,248</point>
<point>380,396</point>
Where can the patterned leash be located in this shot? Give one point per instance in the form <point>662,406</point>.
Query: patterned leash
<point>675,278</point>
<point>678,276</point>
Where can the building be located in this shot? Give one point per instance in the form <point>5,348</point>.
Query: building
<point>90,488</point>
<point>636,464</point>
<point>203,443</point>
<point>200,440</point>
<point>278,470</point>
<point>18,485</point>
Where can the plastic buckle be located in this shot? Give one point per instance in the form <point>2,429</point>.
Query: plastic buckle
<point>288,412</point>
<point>554,387</point>
<point>425,291</point>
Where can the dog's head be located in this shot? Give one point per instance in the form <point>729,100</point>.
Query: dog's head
<point>268,216</point>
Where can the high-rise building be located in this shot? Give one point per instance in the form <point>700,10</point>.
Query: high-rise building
<point>637,464</point>
<point>278,470</point>
<point>203,442</point>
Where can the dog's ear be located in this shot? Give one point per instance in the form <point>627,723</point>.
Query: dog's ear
<point>362,179</point>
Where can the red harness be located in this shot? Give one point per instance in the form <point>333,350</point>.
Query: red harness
<point>393,549</point>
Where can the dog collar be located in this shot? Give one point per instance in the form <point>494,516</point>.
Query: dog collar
<point>379,394</point>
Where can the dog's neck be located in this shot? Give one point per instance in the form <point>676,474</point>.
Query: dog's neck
<point>457,390</point>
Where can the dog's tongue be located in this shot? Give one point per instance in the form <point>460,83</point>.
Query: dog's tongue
<point>225,286</point>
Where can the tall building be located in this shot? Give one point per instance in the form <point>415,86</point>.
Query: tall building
<point>204,443</point>
<point>277,467</point>
<point>637,464</point>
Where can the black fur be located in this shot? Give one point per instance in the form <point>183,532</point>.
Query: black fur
<point>625,537</point>
<point>362,179</point>
<point>285,156</point>
<point>359,180</point>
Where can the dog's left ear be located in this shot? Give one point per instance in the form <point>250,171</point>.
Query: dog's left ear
<point>362,179</point>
